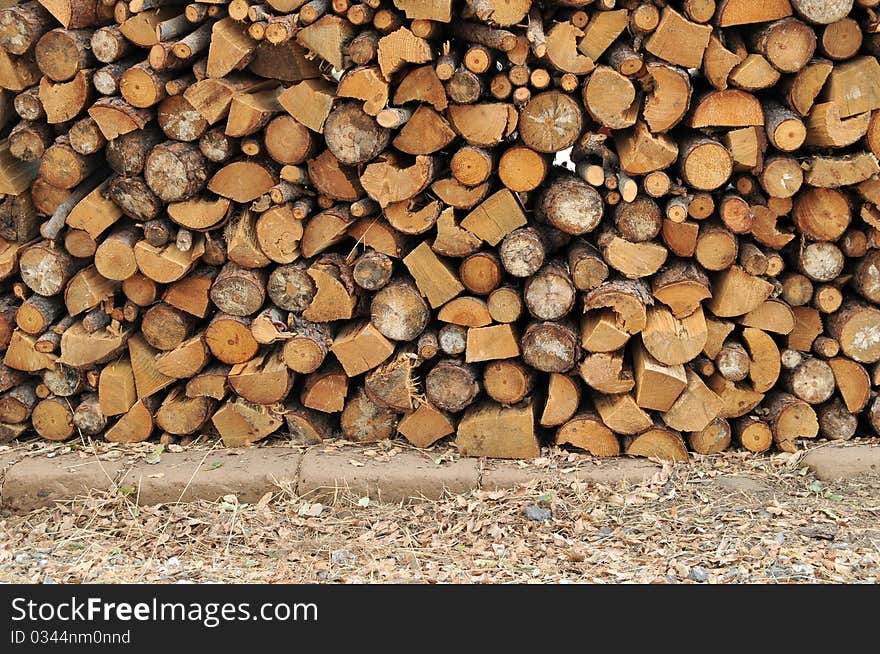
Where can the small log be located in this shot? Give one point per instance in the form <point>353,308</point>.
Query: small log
<point>16,405</point>
<point>753,434</point>
<point>549,294</point>
<point>812,381</point>
<point>695,408</point>
<point>550,122</point>
<point>242,423</point>
<point>52,419</point>
<point>35,315</point>
<point>229,338</point>
<point>550,346</point>
<point>116,387</point>
<point>305,426</point>
<point>307,346</point>
<point>586,431</point>
<point>451,385</point>
<point>181,415</point>
<point>790,418</point>
<point>657,385</point>
<point>714,439</point>
<point>821,262</point>
<point>452,339</point>
<point>570,205</point>
<point>265,379</point>
<point>291,288</point>
<point>489,343</point>
<point>836,422</point>
<point>392,385</point>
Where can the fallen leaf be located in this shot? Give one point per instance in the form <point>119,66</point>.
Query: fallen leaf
<point>311,510</point>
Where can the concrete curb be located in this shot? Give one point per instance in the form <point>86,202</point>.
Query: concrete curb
<point>317,474</point>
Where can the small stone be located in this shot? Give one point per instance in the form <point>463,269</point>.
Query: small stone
<point>535,512</point>
<point>732,573</point>
<point>778,572</point>
<point>698,574</point>
<point>802,569</point>
<point>342,557</point>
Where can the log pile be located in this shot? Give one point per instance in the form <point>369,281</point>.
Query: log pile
<point>632,226</point>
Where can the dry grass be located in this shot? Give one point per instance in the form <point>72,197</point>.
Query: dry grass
<point>780,525</point>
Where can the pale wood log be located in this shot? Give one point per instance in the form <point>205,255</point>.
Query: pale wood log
<point>489,429</point>
<point>587,432</point>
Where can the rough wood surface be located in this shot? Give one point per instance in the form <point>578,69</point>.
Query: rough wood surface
<point>646,226</point>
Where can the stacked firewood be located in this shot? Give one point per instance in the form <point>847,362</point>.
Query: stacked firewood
<point>639,226</point>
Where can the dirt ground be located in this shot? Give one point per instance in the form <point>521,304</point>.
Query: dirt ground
<point>731,518</point>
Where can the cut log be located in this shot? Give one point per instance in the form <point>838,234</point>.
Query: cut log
<point>467,311</point>
<point>563,399</point>
<point>682,287</point>
<point>425,426</point>
<point>853,383</point>
<point>265,379</point>
<point>241,423</point>
<point>392,385</point>
<point>550,122</point>
<point>586,431</point>
<point>856,326</point>
<point>728,108</point>
<point>642,152</point>
<point>386,181</point>
<point>714,439</point>
<point>672,340</point>
<point>736,292</point>
<point>360,347</point>
<point>489,343</point>
<point>790,418</point>
<point>621,414</point>
<point>607,372</point>
<point>695,408</point>
<point>764,359</point>
<point>657,386</point>
<point>433,277</point>
<point>658,442</point>
<point>495,431</point>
